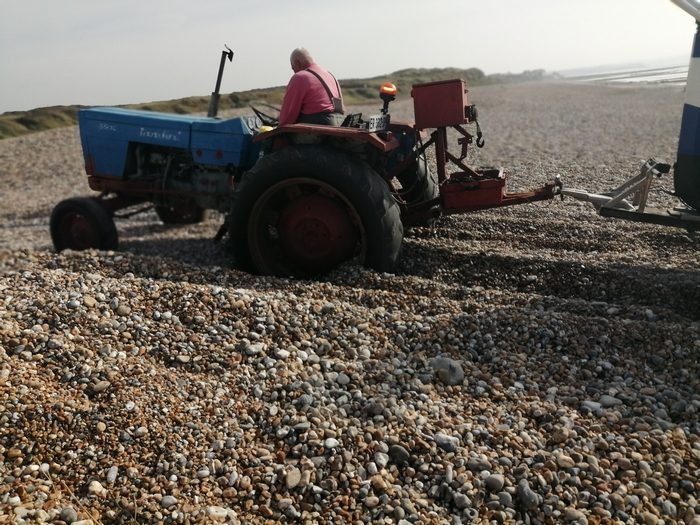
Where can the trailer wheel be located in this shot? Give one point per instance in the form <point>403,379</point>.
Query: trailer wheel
<point>418,185</point>
<point>81,223</point>
<point>188,214</point>
<point>302,211</point>
<point>686,182</point>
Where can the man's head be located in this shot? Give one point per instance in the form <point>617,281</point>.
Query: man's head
<point>300,59</point>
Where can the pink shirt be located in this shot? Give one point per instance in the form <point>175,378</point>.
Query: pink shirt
<point>305,94</point>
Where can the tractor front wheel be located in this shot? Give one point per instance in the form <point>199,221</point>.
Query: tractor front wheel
<point>81,223</point>
<point>304,210</point>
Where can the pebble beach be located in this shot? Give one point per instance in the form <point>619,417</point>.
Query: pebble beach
<point>537,364</point>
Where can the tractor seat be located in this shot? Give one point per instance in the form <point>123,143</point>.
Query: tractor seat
<point>352,120</point>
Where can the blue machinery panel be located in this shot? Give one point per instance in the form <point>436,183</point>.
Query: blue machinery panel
<point>106,133</point>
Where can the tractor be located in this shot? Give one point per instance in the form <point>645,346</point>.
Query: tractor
<point>298,199</point>
<point>301,199</point>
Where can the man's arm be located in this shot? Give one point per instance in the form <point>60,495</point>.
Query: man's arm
<point>293,98</point>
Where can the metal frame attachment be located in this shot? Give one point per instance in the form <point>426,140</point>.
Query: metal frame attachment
<point>615,203</point>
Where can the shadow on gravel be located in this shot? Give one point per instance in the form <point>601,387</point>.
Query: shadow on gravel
<point>127,229</point>
<point>543,234</point>
<point>665,239</point>
<point>196,251</point>
<point>672,291</point>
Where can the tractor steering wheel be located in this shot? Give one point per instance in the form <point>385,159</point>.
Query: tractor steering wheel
<point>267,119</point>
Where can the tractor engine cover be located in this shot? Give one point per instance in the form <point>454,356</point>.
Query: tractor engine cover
<point>108,134</point>
<point>209,189</point>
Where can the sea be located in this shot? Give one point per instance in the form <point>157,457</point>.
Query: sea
<point>672,75</point>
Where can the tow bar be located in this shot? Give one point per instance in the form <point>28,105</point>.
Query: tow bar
<point>616,203</point>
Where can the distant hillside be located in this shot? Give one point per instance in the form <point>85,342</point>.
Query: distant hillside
<point>355,91</point>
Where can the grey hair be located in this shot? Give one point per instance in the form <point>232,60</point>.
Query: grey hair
<point>302,55</point>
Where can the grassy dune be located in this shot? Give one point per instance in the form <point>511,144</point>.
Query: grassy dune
<point>355,91</point>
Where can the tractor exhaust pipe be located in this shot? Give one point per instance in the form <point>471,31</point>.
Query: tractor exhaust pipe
<point>214,102</point>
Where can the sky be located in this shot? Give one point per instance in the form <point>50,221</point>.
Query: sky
<point>99,52</point>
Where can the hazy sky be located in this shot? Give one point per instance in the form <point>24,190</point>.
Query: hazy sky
<point>99,52</point>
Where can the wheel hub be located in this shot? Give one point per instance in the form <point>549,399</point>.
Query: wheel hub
<point>316,231</point>
<point>78,232</point>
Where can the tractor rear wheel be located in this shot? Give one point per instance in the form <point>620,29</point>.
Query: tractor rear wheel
<point>81,223</point>
<point>304,210</point>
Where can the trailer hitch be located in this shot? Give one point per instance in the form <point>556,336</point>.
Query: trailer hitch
<point>615,203</point>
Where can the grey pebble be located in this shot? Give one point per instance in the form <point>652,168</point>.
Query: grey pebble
<point>111,476</point>
<point>399,454</point>
<point>446,443</point>
<point>478,464</point>
<point>331,443</point>
<point>494,482</point>
<point>505,499</point>
<point>529,498</point>
<point>447,370</point>
<point>381,459</point>
<point>607,401</point>
<point>591,405</point>
<point>168,501</point>
<point>462,501</point>
<point>668,508</point>
<point>69,515</point>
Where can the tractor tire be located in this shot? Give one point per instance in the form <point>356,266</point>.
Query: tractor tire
<point>302,211</point>
<point>418,185</point>
<point>191,214</point>
<point>81,223</point>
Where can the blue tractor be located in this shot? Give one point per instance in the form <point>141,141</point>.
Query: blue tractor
<point>299,199</point>
<point>292,209</point>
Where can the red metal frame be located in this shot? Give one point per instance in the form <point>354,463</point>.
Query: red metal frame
<point>384,142</point>
<point>445,105</point>
<point>475,189</point>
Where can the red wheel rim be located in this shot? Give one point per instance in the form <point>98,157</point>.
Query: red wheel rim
<point>77,232</point>
<point>316,230</point>
<point>302,228</point>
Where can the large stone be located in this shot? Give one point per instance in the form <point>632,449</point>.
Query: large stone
<point>529,498</point>
<point>293,478</point>
<point>448,371</point>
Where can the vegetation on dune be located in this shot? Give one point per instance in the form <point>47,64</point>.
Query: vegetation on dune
<point>16,123</point>
<point>355,91</point>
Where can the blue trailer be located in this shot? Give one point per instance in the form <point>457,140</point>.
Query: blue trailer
<point>629,200</point>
